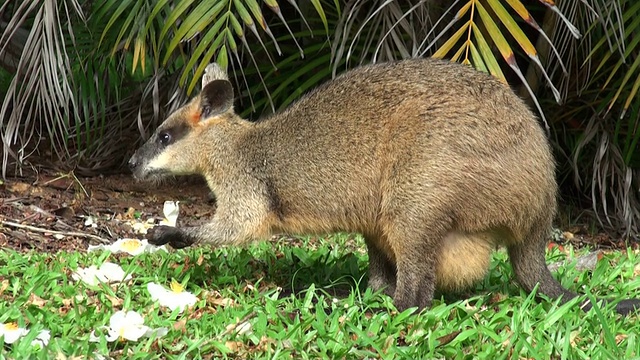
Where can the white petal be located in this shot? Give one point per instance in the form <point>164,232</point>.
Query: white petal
<point>171,210</point>
<point>186,298</point>
<point>244,328</point>
<point>133,333</point>
<point>113,335</point>
<point>89,221</point>
<point>93,337</point>
<point>107,273</point>
<point>42,339</point>
<point>172,300</point>
<point>157,291</point>
<point>129,246</point>
<point>96,247</point>
<point>134,318</point>
<point>113,272</point>
<point>11,332</point>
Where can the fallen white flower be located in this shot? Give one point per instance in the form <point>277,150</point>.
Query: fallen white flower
<point>171,210</point>
<point>244,328</point>
<point>42,339</point>
<point>12,332</point>
<point>175,298</point>
<point>142,227</point>
<point>129,246</point>
<point>128,325</point>
<point>106,273</point>
<point>89,221</point>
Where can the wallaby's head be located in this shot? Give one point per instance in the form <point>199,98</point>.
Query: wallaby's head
<point>176,147</point>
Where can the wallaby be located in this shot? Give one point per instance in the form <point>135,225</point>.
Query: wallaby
<point>433,162</point>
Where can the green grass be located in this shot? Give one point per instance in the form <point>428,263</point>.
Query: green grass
<point>307,299</point>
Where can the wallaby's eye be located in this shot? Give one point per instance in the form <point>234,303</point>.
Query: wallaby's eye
<point>165,138</point>
<point>206,110</point>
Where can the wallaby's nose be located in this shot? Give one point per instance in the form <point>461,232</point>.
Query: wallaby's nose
<point>133,162</point>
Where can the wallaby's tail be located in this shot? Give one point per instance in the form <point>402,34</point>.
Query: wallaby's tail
<point>528,261</point>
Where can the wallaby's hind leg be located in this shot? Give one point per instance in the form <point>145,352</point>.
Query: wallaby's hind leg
<point>382,271</point>
<point>416,263</point>
<point>528,260</point>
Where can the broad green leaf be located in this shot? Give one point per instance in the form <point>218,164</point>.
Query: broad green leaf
<point>235,24</point>
<point>489,59</point>
<point>458,54</point>
<point>318,6</point>
<point>174,15</point>
<point>513,27</point>
<point>200,18</point>
<point>244,14</point>
<point>223,57</point>
<point>204,45</point>
<point>192,24</point>
<point>478,62</point>
<point>197,75</point>
<point>231,41</point>
<point>115,17</point>
<point>254,7</point>
<point>463,10</point>
<point>630,73</point>
<point>522,11</point>
<point>126,26</point>
<point>448,45</point>
<point>160,4</point>
<point>139,51</point>
<point>632,95</point>
<point>496,35</point>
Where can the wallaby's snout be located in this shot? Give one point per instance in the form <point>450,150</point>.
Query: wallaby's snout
<point>133,163</point>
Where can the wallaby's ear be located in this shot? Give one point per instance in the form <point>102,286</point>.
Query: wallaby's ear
<point>217,93</point>
<point>216,98</point>
<point>213,72</point>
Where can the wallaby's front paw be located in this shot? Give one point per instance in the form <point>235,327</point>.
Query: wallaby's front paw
<point>161,235</point>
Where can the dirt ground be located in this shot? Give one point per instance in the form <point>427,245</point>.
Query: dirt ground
<point>53,212</point>
<point>58,212</point>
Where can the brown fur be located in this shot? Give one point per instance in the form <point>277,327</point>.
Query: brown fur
<point>433,162</point>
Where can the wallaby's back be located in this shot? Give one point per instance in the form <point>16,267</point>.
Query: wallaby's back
<point>433,162</point>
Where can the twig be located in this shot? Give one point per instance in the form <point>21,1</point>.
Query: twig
<point>64,233</point>
<point>233,327</point>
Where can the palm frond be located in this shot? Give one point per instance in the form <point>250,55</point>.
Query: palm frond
<point>197,33</point>
<point>477,32</point>
<point>42,91</point>
<point>602,88</point>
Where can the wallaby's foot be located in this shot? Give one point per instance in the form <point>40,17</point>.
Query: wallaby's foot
<point>162,234</point>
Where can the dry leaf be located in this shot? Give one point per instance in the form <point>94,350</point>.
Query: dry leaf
<point>444,340</point>
<point>233,346</point>
<point>4,285</point>
<point>573,338</point>
<point>116,302</point>
<point>200,260</point>
<point>223,302</point>
<point>620,337</point>
<point>36,301</point>
<point>180,325</point>
<point>18,187</point>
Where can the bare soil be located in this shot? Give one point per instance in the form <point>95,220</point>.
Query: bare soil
<point>48,212</point>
